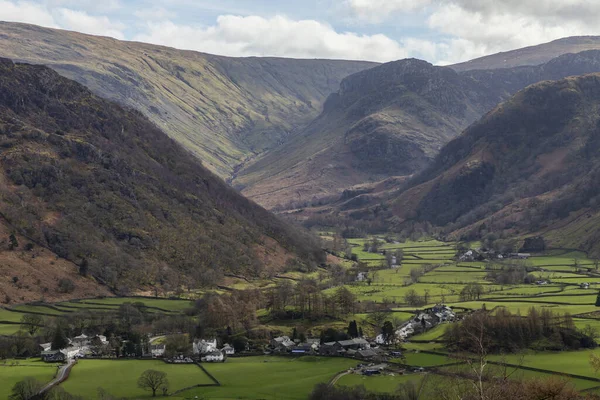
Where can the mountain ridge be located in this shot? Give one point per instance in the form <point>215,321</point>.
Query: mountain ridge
<point>224,110</point>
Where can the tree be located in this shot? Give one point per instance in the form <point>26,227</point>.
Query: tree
<point>353,329</point>
<point>13,242</point>
<point>59,340</point>
<point>389,335</point>
<point>176,345</point>
<point>32,322</point>
<point>153,380</point>
<point>26,389</point>
<point>239,343</point>
<point>84,267</point>
<point>598,300</point>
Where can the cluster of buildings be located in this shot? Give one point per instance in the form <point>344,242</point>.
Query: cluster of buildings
<point>208,350</point>
<point>356,348</point>
<point>422,321</point>
<point>79,346</point>
<point>481,255</point>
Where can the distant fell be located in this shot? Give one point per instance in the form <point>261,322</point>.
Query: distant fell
<point>532,55</point>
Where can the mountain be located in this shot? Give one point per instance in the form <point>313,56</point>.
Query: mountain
<point>388,121</point>
<point>533,55</point>
<point>226,111</point>
<point>103,188</point>
<point>529,167</point>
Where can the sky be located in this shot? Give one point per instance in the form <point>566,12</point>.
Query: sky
<point>439,31</point>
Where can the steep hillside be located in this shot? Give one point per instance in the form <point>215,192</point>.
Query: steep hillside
<point>389,120</point>
<point>104,188</point>
<point>224,110</point>
<point>530,166</point>
<point>533,55</point>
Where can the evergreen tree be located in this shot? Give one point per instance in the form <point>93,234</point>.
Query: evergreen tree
<point>353,329</point>
<point>360,332</point>
<point>59,341</point>
<point>387,330</point>
<point>83,267</point>
<point>598,300</point>
<point>14,243</point>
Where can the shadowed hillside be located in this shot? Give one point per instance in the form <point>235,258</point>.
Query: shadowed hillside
<point>225,110</point>
<point>103,187</point>
<point>530,166</point>
<point>389,121</point>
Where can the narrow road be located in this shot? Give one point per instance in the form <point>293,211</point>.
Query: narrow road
<point>336,378</point>
<point>62,372</point>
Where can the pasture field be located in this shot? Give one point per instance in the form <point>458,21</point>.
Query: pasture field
<point>10,316</point>
<point>175,305</point>
<point>119,377</point>
<point>380,383</point>
<point>9,375</point>
<point>572,362</point>
<point>9,329</point>
<point>269,377</point>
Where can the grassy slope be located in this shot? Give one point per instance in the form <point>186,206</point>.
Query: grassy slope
<point>224,110</point>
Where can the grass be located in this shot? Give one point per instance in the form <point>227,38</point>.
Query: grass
<point>165,304</point>
<point>572,362</point>
<point>26,369</point>
<point>10,316</point>
<point>119,377</point>
<point>379,383</point>
<point>270,377</point>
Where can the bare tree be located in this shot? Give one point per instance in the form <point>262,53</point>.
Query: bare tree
<point>153,380</point>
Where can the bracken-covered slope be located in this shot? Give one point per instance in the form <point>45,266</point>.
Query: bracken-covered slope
<point>92,181</point>
<point>532,166</point>
<point>532,55</point>
<point>225,110</point>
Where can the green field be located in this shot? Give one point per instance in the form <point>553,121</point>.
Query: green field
<point>270,377</point>
<point>119,377</point>
<point>9,375</point>
<point>164,304</point>
<point>380,383</point>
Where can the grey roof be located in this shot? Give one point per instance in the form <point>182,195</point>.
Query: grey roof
<point>367,353</point>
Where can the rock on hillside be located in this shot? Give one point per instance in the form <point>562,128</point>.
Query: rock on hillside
<point>224,110</point>
<point>92,181</point>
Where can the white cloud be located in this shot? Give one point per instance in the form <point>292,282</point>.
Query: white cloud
<point>478,27</point>
<point>155,14</point>
<point>27,12</point>
<point>275,36</point>
<point>94,6</point>
<point>378,10</point>
<point>82,22</point>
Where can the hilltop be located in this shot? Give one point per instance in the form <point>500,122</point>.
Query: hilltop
<point>103,188</point>
<point>226,111</point>
<point>532,55</point>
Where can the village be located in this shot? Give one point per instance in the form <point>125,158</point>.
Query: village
<point>368,350</point>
